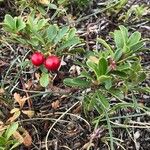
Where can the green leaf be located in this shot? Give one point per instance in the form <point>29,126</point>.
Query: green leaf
<point>76,82</point>
<point>11,130</point>
<point>20,24</point>
<point>124,32</point>
<point>134,38</point>
<point>93,67</point>
<point>52,6</point>
<point>10,22</point>
<point>102,66</point>
<point>42,23</point>
<point>2,148</point>
<point>118,54</point>
<point>134,48</point>
<point>108,84</point>
<point>119,41</point>
<point>41,10</point>
<point>103,78</point>
<point>3,141</point>
<point>69,43</point>
<point>104,102</point>
<point>124,67</point>
<point>119,73</point>
<point>52,32</point>
<point>39,38</point>
<point>141,77</point>
<point>44,79</point>
<point>61,33</point>
<point>121,37</point>
<point>107,46</point>
<point>76,50</point>
<point>118,93</point>
<point>71,33</point>
<point>16,144</point>
<point>143,89</point>
<point>33,42</point>
<point>86,75</point>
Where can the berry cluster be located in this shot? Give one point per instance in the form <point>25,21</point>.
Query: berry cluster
<point>51,63</point>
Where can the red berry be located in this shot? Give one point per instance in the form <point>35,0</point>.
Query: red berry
<point>37,59</point>
<point>52,63</point>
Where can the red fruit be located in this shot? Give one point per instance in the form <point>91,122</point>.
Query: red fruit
<point>52,63</point>
<point>37,58</point>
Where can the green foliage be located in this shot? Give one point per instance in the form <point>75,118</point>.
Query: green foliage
<point>119,7</point>
<point>115,6</point>
<point>6,138</point>
<point>111,73</point>
<point>38,34</point>
<point>80,3</point>
<point>36,5</point>
<point>116,65</point>
<point>136,12</point>
<point>44,80</point>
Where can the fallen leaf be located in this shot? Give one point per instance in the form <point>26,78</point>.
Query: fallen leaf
<point>14,110</point>
<point>14,117</point>
<point>29,113</point>
<point>28,84</point>
<point>77,110</point>
<point>37,76</point>
<point>56,104</point>
<point>18,137</point>
<point>20,100</point>
<point>27,140</point>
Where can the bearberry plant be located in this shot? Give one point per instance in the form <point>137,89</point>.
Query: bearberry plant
<point>43,39</point>
<point>112,74</point>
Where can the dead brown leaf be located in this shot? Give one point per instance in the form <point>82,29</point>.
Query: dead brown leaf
<point>20,100</point>
<point>18,137</point>
<point>14,110</point>
<point>55,104</point>
<point>37,76</point>
<point>28,84</point>
<point>29,113</point>
<point>77,110</point>
<point>14,117</point>
<point>27,140</point>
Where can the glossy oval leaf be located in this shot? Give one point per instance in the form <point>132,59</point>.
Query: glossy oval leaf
<point>76,82</point>
<point>52,32</point>
<point>118,54</point>
<point>61,33</point>
<point>134,38</point>
<point>69,43</point>
<point>44,79</point>
<point>119,41</point>
<point>102,66</point>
